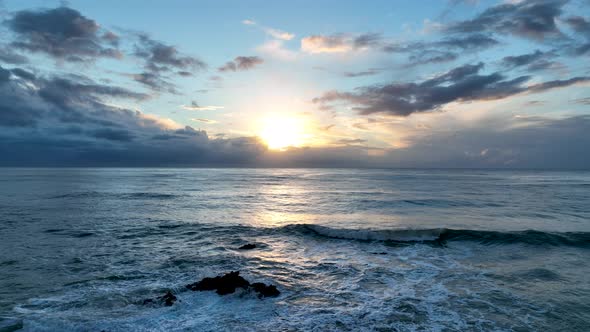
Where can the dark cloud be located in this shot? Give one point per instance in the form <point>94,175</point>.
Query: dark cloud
<point>369,72</point>
<point>431,56</point>
<point>66,121</point>
<point>7,55</point>
<point>473,42</point>
<point>241,63</point>
<point>161,57</point>
<point>351,141</point>
<point>161,61</point>
<point>26,75</point>
<point>367,40</point>
<point>4,75</point>
<point>64,91</point>
<point>69,99</point>
<point>582,101</point>
<point>457,85</point>
<point>579,24</point>
<point>111,134</point>
<point>529,19</point>
<point>62,33</point>
<point>510,143</point>
<point>532,61</point>
<point>557,84</point>
<point>155,81</point>
<point>445,50</point>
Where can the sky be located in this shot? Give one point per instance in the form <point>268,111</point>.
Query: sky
<point>425,84</point>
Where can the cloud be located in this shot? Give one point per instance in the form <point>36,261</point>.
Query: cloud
<point>275,33</point>
<point>204,120</point>
<point>160,62</point>
<point>460,84</point>
<point>431,56</point>
<point>279,34</point>
<point>532,61</point>
<point>369,72</point>
<point>120,135</point>
<point>65,121</point>
<point>326,44</point>
<point>528,19</point>
<point>276,49</point>
<point>241,63</point>
<point>471,42</point>
<point>339,43</point>
<point>62,33</point>
<point>7,55</point>
<point>162,57</point>
<point>194,106</point>
<point>579,24</point>
<point>351,141</point>
<point>516,142</point>
<point>445,50</point>
<point>582,101</point>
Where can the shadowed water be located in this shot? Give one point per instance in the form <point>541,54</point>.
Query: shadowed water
<point>399,250</point>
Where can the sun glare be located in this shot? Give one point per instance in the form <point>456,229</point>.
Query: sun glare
<point>280,133</point>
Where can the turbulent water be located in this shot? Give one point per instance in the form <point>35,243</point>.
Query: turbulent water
<point>374,250</point>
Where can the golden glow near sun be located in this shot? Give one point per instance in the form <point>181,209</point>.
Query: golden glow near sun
<point>281,132</point>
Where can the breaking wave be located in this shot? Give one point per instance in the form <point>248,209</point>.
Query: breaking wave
<point>443,235</point>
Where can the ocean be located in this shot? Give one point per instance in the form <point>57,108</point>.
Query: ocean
<point>349,250</point>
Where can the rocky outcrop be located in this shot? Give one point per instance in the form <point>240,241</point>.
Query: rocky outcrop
<point>229,282</point>
<point>225,284</point>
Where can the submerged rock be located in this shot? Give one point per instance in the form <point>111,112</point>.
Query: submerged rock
<point>228,283</point>
<point>265,291</point>
<point>168,300</point>
<point>248,246</point>
<point>225,284</point>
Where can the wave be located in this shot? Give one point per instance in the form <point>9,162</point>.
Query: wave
<point>442,235</point>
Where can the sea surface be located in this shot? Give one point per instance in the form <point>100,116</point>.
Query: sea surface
<point>350,250</point>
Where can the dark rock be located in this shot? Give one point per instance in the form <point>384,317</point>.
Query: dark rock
<point>168,299</point>
<point>228,283</point>
<point>265,291</point>
<point>148,301</point>
<point>248,246</point>
<point>223,285</point>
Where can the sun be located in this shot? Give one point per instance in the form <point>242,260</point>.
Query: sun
<point>280,133</point>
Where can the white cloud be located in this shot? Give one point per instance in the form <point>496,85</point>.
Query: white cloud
<point>275,33</point>
<point>195,107</point>
<point>327,44</point>
<point>275,48</point>
<point>204,120</point>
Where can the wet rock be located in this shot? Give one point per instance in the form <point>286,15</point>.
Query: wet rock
<point>248,246</point>
<point>148,302</point>
<point>168,300</point>
<point>265,291</point>
<point>223,285</point>
<point>228,283</point>
<point>10,324</point>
